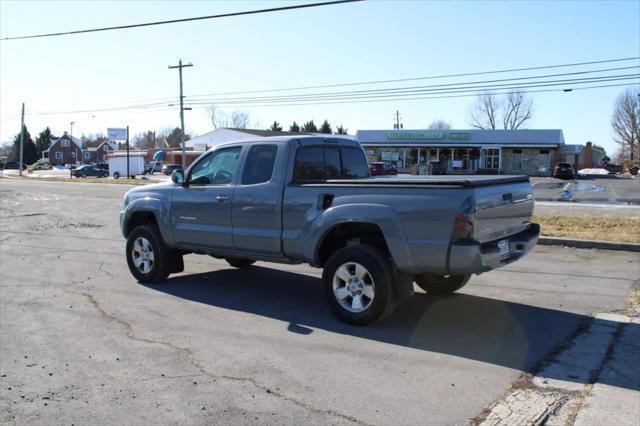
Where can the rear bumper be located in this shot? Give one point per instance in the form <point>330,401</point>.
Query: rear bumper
<point>475,258</point>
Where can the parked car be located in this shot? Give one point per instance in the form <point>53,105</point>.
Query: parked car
<point>153,167</point>
<point>14,165</point>
<point>564,171</point>
<point>311,199</point>
<point>380,168</point>
<point>41,166</point>
<point>168,169</point>
<point>89,171</point>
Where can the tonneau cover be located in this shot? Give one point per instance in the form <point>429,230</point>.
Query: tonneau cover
<point>448,180</point>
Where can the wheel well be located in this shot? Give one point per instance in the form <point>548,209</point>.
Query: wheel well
<point>350,234</point>
<point>141,218</point>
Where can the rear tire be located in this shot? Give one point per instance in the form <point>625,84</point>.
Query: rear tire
<point>238,262</point>
<point>358,285</point>
<point>148,257</point>
<point>441,284</point>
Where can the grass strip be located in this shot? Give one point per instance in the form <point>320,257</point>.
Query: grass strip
<point>616,229</point>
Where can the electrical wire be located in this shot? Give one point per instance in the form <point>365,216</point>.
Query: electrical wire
<point>408,88</point>
<point>432,77</point>
<point>176,21</point>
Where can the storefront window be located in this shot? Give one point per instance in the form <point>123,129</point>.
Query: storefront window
<point>517,160</point>
<point>491,158</point>
<point>543,161</point>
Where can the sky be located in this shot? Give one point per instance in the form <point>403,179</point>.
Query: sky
<point>60,77</point>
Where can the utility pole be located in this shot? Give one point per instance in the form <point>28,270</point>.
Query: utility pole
<point>128,152</point>
<point>21,140</point>
<point>397,124</point>
<point>180,66</point>
<point>74,145</point>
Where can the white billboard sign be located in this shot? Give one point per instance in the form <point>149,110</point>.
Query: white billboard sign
<point>115,134</point>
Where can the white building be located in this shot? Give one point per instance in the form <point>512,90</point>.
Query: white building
<point>225,134</point>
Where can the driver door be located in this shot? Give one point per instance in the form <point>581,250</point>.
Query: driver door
<point>201,210</point>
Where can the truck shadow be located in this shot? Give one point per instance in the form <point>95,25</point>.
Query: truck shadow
<point>503,333</point>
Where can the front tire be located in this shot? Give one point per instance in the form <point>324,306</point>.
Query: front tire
<point>441,284</point>
<point>148,257</point>
<point>238,262</point>
<point>358,285</point>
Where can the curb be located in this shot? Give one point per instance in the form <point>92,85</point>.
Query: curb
<point>591,244</point>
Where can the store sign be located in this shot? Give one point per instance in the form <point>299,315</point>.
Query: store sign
<point>428,136</point>
<point>459,136</point>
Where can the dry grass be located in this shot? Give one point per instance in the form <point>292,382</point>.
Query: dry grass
<point>626,230</point>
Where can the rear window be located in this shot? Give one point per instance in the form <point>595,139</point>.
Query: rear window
<point>321,163</point>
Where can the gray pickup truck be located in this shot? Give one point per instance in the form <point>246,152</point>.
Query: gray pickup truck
<point>311,199</point>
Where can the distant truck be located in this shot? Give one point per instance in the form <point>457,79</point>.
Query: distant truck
<point>312,200</point>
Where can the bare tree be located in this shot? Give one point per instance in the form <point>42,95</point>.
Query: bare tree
<point>439,124</point>
<point>239,119</point>
<point>518,108</point>
<point>485,112</point>
<point>514,110</point>
<point>626,122</point>
<point>218,117</point>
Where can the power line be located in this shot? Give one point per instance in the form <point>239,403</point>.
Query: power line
<point>454,93</point>
<point>407,88</point>
<point>478,88</point>
<point>175,21</point>
<point>432,77</point>
<point>575,89</point>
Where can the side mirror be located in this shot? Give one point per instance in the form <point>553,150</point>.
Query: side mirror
<point>177,177</point>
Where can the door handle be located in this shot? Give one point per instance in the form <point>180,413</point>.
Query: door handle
<point>222,198</point>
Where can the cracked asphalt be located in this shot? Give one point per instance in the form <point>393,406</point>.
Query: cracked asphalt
<point>82,343</point>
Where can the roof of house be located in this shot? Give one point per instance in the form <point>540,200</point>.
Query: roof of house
<point>75,140</point>
<point>95,148</point>
<point>470,137</point>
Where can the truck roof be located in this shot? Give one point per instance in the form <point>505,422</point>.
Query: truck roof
<point>299,140</point>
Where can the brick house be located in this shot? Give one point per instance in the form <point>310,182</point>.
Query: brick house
<point>64,150</point>
<point>97,154</point>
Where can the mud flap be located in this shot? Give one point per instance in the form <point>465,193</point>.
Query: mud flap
<point>177,262</point>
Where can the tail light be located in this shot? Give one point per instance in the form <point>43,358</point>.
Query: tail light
<point>464,222</point>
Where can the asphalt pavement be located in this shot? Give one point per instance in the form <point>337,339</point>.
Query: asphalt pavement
<point>83,343</point>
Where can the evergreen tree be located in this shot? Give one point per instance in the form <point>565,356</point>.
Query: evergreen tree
<point>173,138</point>
<point>294,127</point>
<point>276,127</point>
<point>29,150</point>
<point>43,141</point>
<point>310,127</point>
<point>326,127</point>
<point>341,130</point>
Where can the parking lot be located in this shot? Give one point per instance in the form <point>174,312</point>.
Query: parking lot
<point>611,189</point>
<point>81,340</point>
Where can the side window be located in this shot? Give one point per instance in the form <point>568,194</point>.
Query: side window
<point>354,163</point>
<point>309,164</point>
<point>259,164</point>
<point>216,168</point>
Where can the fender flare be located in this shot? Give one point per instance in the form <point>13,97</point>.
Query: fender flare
<point>372,214</point>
